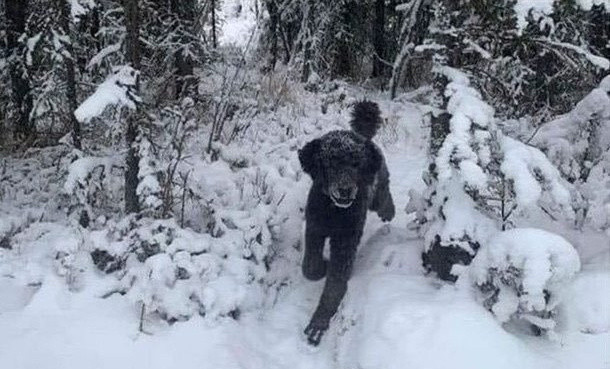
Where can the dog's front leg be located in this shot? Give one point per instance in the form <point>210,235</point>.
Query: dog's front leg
<point>314,265</point>
<point>386,209</point>
<point>382,202</point>
<point>342,254</point>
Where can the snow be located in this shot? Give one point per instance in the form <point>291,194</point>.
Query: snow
<point>31,44</point>
<point>239,22</point>
<point>79,8</point>
<point>588,4</point>
<point>477,48</point>
<point>598,61</point>
<point>572,137</point>
<point>408,322</point>
<point>462,218</point>
<point>530,267</point>
<point>521,163</point>
<point>587,301</point>
<point>102,54</point>
<point>467,111</point>
<point>538,9</point>
<point>393,317</point>
<point>542,8</point>
<point>597,102</point>
<point>547,260</point>
<point>117,90</point>
<point>81,168</point>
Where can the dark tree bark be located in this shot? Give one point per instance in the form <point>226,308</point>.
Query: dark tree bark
<point>132,25</point>
<point>214,31</point>
<point>379,38</point>
<point>70,76</point>
<point>185,11</point>
<point>16,16</point>
<point>132,45</point>
<point>344,59</point>
<point>273,30</point>
<point>307,47</point>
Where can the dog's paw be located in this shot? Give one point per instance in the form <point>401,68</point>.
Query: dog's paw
<point>315,330</point>
<point>387,213</point>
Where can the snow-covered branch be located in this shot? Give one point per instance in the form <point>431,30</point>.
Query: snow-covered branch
<point>117,90</point>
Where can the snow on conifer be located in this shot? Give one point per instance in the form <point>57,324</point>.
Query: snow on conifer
<point>117,90</point>
<point>578,143</point>
<point>479,180</point>
<point>522,274</point>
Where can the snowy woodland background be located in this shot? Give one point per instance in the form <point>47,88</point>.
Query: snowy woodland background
<point>151,199</point>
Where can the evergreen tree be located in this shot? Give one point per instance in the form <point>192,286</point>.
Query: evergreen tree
<point>16,14</point>
<point>132,50</point>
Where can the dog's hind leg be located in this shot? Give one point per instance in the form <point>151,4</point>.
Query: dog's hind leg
<point>314,265</point>
<point>342,255</point>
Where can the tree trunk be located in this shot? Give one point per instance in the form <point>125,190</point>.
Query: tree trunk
<point>412,33</point>
<point>379,38</point>
<point>16,16</point>
<point>132,45</point>
<point>185,11</point>
<point>70,76</point>
<point>273,30</point>
<point>214,42</point>
<point>308,42</point>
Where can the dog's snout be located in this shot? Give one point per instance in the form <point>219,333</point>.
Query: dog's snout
<point>345,192</point>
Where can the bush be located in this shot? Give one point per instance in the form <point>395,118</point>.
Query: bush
<point>521,274</point>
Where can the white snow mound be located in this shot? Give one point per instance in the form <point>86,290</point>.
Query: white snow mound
<point>538,262</point>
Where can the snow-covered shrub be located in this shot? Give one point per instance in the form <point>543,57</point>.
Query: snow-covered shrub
<point>177,273</point>
<point>163,148</point>
<point>34,181</point>
<point>521,275</point>
<point>39,246</point>
<point>578,143</point>
<point>226,221</point>
<point>478,180</point>
<point>91,187</point>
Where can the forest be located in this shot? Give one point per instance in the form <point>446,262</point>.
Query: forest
<point>153,195</point>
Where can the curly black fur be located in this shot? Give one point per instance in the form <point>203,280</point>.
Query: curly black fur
<point>349,177</point>
<point>366,119</point>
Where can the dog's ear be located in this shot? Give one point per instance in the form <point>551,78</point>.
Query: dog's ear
<point>373,159</point>
<point>309,156</point>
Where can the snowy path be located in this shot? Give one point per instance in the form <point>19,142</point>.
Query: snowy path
<point>392,317</point>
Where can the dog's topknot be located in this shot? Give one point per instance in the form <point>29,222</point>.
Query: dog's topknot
<point>366,118</point>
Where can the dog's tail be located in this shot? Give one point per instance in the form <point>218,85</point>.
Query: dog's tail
<point>366,118</point>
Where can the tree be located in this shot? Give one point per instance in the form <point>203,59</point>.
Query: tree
<point>478,179</point>
<point>70,70</point>
<point>22,103</point>
<point>132,50</point>
<point>416,17</point>
<point>578,142</point>
<point>331,39</point>
<point>379,38</point>
<point>273,31</point>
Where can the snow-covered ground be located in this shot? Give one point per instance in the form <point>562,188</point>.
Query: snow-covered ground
<point>392,317</point>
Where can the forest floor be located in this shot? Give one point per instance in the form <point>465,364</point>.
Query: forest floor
<point>392,317</point>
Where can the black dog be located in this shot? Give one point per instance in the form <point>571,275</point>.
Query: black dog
<point>349,176</point>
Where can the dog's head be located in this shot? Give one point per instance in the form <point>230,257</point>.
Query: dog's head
<point>341,162</point>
